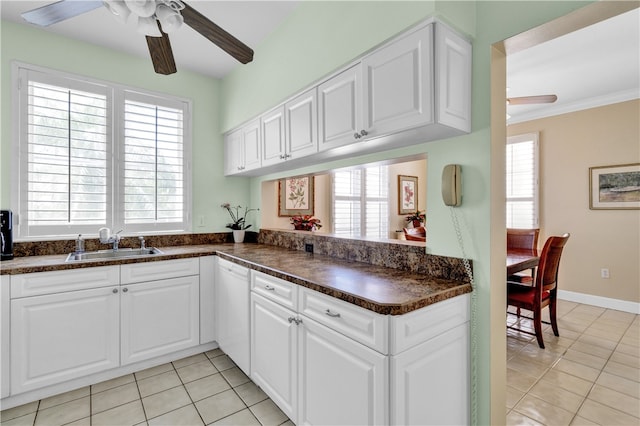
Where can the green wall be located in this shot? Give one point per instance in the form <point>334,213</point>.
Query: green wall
<point>34,46</point>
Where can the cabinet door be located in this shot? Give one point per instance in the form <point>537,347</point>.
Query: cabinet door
<point>274,343</point>
<point>58,337</point>
<point>302,125</point>
<point>453,78</point>
<point>341,381</point>
<point>398,84</point>
<point>273,139</point>
<point>159,317</point>
<point>251,145</point>
<point>340,109</point>
<point>418,396</point>
<point>232,310</point>
<point>233,153</point>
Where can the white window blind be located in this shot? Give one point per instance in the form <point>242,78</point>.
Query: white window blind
<point>360,202</point>
<point>522,181</point>
<point>66,154</point>
<point>93,154</point>
<point>154,170</point>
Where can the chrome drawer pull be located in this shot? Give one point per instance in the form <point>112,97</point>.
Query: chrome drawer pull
<point>268,287</point>
<point>332,314</point>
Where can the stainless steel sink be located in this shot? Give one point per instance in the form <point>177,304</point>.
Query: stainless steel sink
<point>112,254</point>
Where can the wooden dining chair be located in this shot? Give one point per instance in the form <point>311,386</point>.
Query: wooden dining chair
<point>415,234</point>
<point>544,292</point>
<point>522,239</point>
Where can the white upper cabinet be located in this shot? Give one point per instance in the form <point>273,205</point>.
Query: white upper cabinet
<point>273,140</point>
<point>301,125</point>
<point>413,89</point>
<point>242,149</point>
<point>340,109</point>
<point>398,82</point>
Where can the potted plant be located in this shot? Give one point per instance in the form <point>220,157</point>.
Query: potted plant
<point>305,223</point>
<point>417,219</point>
<point>239,222</point>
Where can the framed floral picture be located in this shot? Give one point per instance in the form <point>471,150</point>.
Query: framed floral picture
<point>407,194</point>
<point>295,196</point>
<point>614,187</point>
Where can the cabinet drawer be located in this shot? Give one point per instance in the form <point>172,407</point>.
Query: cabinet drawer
<point>362,325</point>
<point>39,283</point>
<point>233,268</point>
<point>411,329</point>
<point>150,271</point>
<point>276,289</point>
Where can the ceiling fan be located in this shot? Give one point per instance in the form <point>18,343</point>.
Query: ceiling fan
<point>528,100</point>
<point>155,18</point>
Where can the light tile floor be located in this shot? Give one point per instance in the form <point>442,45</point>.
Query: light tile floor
<point>199,390</point>
<point>590,375</point>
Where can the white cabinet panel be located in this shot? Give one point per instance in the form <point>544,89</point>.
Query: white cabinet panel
<point>341,381</point>
<point>340,109</point>
<point>207,299</point>
<point>5,334</point>
<point>59,337</point>
<point>159,317</point>
<point>302,125</point>
<point>273,137</point>
<point>232,310</point>
<point>38,283</point>
<point>430,383</point>
<point>150,271</point>
<point>233,152</point>
<point>398,84</point>
<point>274,352</point>
<point>251,142</point>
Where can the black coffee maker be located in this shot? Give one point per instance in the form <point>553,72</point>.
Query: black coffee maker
<point>6,234</point>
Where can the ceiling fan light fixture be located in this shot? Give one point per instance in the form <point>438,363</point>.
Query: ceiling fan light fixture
<point>148,26</point>
<point>142,8</point>
<point>170,19</point>
<point>118,9</point>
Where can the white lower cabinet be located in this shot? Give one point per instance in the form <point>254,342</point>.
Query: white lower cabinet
<point>58,337</point>
<point>232,312</point>
<point>159,317</point>
<point>341,381</point>
<point>274,352</point>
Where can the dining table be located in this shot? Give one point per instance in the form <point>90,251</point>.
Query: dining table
<point>521,260</point>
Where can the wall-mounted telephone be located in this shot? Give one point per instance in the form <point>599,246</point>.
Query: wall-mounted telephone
<point>452,185</point>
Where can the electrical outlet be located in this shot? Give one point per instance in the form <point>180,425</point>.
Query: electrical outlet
<point>604,273</point>
<point>308,248</point>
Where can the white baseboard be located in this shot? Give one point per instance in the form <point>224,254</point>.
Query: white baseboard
<point>603,302</point>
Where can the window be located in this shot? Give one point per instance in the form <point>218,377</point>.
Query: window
<point>361,202</point>
<point>522,181</point>
<point>93,154</point>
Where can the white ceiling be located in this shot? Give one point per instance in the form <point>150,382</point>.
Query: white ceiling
<point>249,21</point>
<point>595,66</point>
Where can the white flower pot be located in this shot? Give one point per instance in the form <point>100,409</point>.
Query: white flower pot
<point>238,235</point>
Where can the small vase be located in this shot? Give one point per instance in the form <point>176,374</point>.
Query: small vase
<point>238,235</point>
<point>417,224</point>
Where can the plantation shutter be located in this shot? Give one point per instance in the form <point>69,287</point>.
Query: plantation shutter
<point>522,181</point>
<point>65,123</point>
<point>361,202</point>
<point>154,162</point>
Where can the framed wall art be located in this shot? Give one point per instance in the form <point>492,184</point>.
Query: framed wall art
<point>295,196</point>
<point>407,194</point>
<point>614,187</point>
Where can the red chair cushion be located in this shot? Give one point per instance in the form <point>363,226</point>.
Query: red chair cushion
<point>523,294</point>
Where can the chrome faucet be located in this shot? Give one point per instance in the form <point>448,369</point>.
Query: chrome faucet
<point>142,244</point>
<point>107,238</point>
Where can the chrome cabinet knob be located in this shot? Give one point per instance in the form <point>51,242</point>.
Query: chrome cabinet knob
<point>363,133</point>
<point>356,135</point>
<point>114,291</point>
<point>124,290</point>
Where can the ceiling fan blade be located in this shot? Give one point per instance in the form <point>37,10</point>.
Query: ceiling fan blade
<point>161,53</point>
<point>217,35</point>
<point>527,100</point>
<point>59,11</point>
